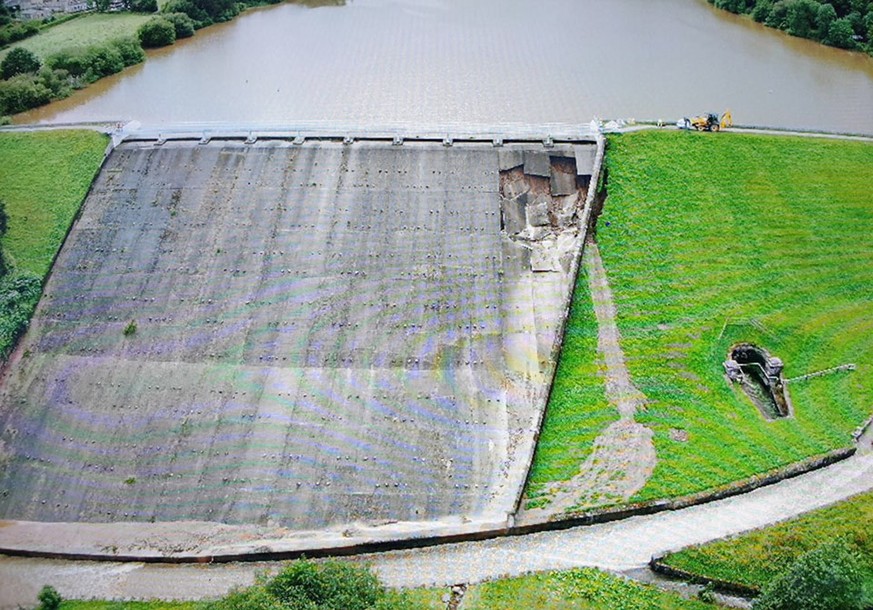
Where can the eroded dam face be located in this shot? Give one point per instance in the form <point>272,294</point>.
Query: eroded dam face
<point>300,335</point>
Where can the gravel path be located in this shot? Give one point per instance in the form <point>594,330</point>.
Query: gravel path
<point>621,545</point>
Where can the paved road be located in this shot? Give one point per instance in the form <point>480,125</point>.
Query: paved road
<point>615,546</point>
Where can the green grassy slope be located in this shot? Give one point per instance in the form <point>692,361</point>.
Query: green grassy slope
<point>43,178</point>
<point>757,557</point>
<point>710,239</point>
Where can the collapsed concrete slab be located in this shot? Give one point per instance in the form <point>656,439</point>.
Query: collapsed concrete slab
<point>296,335</point>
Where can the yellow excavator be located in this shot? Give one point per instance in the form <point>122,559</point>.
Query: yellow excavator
<point>708,122</point>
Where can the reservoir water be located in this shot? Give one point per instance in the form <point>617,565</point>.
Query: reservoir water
<point>450,62</point>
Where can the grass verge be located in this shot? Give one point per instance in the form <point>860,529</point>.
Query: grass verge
<point>580,589</point>
<point>755,558</point>
<point>80,32</point>
<point>44,177</point>
<point>712,239</point>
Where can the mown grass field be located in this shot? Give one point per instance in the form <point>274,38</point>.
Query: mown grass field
<point>580,589</point>
<point>81,32</point>
<point>44,177</point>
<point>756,558</point>
<point>709,240</point>
<point>568,431</point>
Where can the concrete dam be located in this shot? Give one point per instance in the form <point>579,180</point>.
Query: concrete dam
<point>306,335</point>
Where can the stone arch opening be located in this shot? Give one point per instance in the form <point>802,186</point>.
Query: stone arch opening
<point>760,376</point>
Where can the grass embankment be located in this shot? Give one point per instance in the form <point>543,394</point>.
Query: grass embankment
<point>84,31</point>
<point>568,431</point>
<point>709,240</point>
<point>44,177</point>
<point>716,239</point>
<point>581,589</point>
<point>756,558</point>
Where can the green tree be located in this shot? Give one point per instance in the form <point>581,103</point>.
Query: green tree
<point>841,34</point>
<point>801,18</point>
<point>157,32</point>
<point>103,60</point>
<point>49,598</point>
<point>331,585</point>
<point>734,6</point>
<point>183,23</point>
<point>21,93</point>
<point>762,10</point>
<point>130,50</point>
<point>827,14</point>
<point>778,17</point>
<point>19,61</point>
<point>827,578</point>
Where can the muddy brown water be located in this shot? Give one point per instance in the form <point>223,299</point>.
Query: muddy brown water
<point>450,62</point>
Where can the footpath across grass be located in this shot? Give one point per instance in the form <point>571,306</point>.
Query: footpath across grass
<point>713,239</point>
<point>81,32</point>
<point>44,177</point>
<point>756,558</point>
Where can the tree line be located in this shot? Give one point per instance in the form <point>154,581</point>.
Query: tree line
<point>846,24</point>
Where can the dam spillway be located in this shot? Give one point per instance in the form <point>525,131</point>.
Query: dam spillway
<point>298,335</point>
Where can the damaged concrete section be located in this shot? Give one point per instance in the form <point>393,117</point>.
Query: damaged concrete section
<point>542,195</point>
<point>301,336</point>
